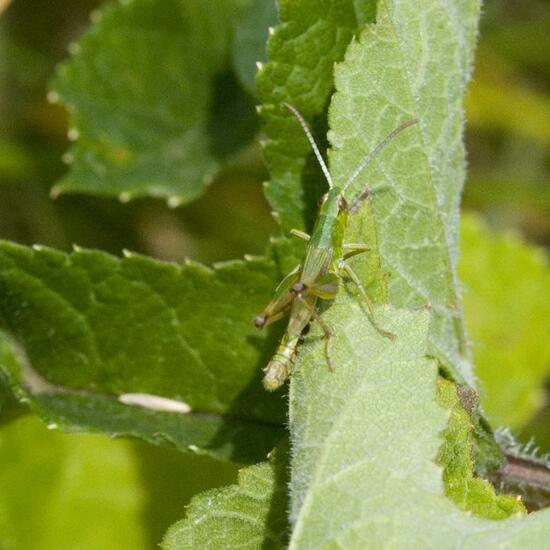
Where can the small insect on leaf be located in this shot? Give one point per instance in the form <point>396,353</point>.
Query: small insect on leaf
<point>154,402</point>
<point>324,265</point>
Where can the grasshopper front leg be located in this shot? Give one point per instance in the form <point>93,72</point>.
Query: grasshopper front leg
<point>281,302</point>
<point>300,234</point>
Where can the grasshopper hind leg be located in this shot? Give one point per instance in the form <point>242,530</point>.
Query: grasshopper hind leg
<point>353,276</point>
<point>328,333</point>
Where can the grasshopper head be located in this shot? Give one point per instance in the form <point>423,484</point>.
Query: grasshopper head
<point>342,203</point>
<point>330,203</point>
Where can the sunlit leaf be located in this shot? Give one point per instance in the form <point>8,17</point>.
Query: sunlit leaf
<point>56,491</point>
<point>506,283</point>
<point>365,441</point>
<point>250,515</point>
<point>415,185</point>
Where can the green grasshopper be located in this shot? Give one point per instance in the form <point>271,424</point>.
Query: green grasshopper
<point>322,269</point>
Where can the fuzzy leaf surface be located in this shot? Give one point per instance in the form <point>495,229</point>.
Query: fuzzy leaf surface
<point>365,441</point>
<point>506,283</point>
<point>248,516</point>
<point>397,70</point>
<point>143,109</point>
<point>89,327</point>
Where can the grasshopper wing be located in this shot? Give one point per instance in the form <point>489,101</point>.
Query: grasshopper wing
<point>326,286</point>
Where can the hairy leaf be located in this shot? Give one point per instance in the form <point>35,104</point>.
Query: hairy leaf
<point>395,72</point>
<point>505,286</point>
<point>144,108</point>
<point>250,515</point>
<point>330,412</point>
<point>90,328</point>
<point>311,36</point>
<point>365,441</point>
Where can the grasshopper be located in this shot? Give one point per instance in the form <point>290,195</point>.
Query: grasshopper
<point>323,267</point>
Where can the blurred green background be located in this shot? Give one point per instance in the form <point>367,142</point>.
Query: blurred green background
<point>508,143</point>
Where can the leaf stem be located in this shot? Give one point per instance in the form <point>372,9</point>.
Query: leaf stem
<point>526,477</point>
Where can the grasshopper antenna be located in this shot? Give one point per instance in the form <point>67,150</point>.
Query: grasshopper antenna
<point>309,136</point>
<point>371,156</point>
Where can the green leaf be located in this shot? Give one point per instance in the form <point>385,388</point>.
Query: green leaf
<point>508,318</point>
<point>330,411</point>
<point>78,492</point>
<point>171,479</point>
<point>89,328</point>
<point>251,32</point>
<point>250,515</point>
<point>311,36</point>
<point>9,406</point>
<point>16,162</point>
<point>456,456</point>
<point>365,440</point>
<point>412,63</point>
<point>143,108</point>
<point>82,491</point>
<point>494,104</point>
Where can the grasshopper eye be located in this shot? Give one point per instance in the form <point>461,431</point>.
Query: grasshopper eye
<point>342,204</point>
<point>322,200</point>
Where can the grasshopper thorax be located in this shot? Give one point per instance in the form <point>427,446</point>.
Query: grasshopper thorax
<point>330,203</point>
<point>328,230</point>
